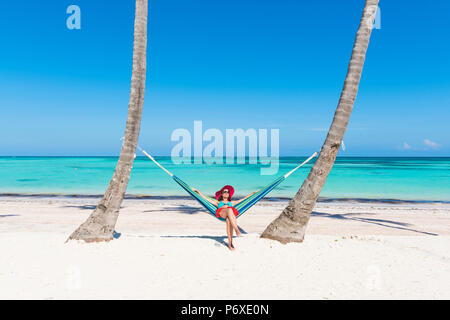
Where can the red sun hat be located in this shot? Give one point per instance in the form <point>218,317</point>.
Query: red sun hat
<point>230,190</point>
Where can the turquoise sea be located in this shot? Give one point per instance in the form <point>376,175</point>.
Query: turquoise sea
<point>418,179</point>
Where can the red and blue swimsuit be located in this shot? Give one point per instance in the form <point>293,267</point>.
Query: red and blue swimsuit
<point>221,206</point>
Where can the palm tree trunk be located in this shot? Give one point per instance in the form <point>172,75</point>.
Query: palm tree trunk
<point>290,226</point>
<point>100,224</point>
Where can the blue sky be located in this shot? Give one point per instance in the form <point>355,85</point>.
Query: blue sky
<point>232,64</point>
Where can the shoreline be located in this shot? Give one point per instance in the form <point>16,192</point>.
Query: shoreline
<point>177,197</point>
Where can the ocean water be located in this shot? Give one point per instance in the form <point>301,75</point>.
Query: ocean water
<point>418,179</point>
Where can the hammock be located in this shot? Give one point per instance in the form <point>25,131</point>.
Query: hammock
<point>242,206</point>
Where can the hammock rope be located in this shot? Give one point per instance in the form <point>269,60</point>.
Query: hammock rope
<point>242,206</point>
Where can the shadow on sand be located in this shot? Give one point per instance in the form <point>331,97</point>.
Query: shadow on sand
<point>85,207</point>
<point>218,239</point>
<point>182,208</point>
<point>380,222</point>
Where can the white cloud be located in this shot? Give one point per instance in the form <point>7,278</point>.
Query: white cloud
<point>431,144</point>
<point>406,146</point>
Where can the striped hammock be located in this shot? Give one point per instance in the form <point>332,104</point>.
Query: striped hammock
<point>242,206</point>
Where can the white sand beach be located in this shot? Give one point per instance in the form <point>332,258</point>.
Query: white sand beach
<point>171,249</point>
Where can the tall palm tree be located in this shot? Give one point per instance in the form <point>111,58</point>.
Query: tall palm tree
<point>100,224</point>
<point>290,226</point>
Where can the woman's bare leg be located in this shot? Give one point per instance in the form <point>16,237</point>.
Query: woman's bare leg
<point>233,221</point>
<point>230,234</point>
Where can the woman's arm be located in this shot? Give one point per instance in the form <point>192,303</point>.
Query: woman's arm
<point>238,201</point>
<point>213,201</point>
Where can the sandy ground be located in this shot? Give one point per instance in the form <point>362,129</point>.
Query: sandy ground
<point>171,249</point>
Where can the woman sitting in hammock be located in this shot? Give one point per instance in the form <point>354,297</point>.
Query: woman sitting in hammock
<point>226,210</point>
